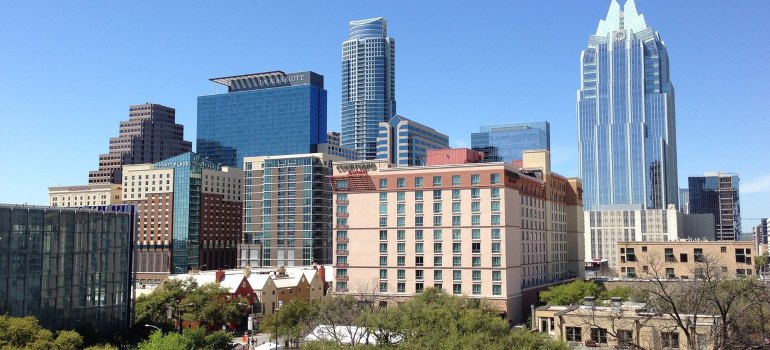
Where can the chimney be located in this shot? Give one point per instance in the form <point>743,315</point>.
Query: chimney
<point>220,275</point>
<point>616,302</point>
<point>282,271</point>
<point>589,301</point>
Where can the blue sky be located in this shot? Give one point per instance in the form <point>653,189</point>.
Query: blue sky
<point>69,70</point>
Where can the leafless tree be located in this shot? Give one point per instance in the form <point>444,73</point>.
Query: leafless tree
<point>617,320</point>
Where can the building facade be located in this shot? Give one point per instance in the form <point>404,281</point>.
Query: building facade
<point>368,84</point>
<point>605,228</point>
<point>84,196</point>
<point>685,259</point>
<point>334,148</point>
<point>486,230</point>
<point>70,268</point>
<point>188,215</point>
<point>150,134</point>
<point>625,115</point>
<point>684,200</point>
<point>506,143</point>
<point>404,142</point>
<point>287,210</point>
<point>717,193</point>
<point>262,114</point>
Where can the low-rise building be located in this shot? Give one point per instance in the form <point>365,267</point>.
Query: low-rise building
<point>621,326</point>
<point>685,259</point>
<point>95,194</point>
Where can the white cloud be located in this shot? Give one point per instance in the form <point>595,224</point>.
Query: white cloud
<point>761,184</point>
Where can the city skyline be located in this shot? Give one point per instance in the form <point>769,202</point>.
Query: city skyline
<point>52,121</point>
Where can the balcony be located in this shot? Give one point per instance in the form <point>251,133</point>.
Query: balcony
<point>343,265</point>
<point>342,278</point>
<point>343,202</point>
<point>343,215</point>
<point>343,239</point>
<point>342,227</point>
<point>342,252</point>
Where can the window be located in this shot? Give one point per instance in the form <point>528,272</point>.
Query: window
<point>418,182</point>
<point>625,337</point>
<point>437,248</point>
<point>475,207</point>
<point>383,247</point>
<point>476,289</point>
<point>438,275</point>
<point>670,273</point>
<point>401,274</point>
<point>476,233</point>
<point>401,287</point>
<point>631,272</point>
<point>630,256</point>
<point>418,235</point>
<point>455,207</point>
<point>496,247</point>
<point>438,261</point>
<point>476,275</point>
<point>383,274</point>
<point>401,182</point>
<point>400,221</point>
<point>456,247</point>
<point>455,194</point>
<point>669,340</point>
<point>437,220</point>
<point>455,180</point>
<point>456,261</point>
<point>723,249</point>
<point>475,220</point>
<point>400,235</point>
<point>476,247</point>
<point>475,179</point>
<point>456,234</point>
<point>418,287</point>
<point>599,335</point>
<point>383,287</point>
<point>418,208</point>
<point>437,207</point>
<point>342,185</point>
<point>418,247</point>
<point>670,255</point>
<point>494,179</point>
<point>644,249</point>
<point>495,219</point>
<point>740,256</point>
<point>418,260</point>
<point>436,235</point>
<point>401,209</point>
<point>457,289</point>
<point>497,276</point>
<point>383,196</point>
<point>495,206</point>
<point>401,196</point>
<point>683,257</point>
<point>437,194</point>
<point>419,275</point>
<point>495,233</point>
<point>574,334</point>
<point>698,255</point>
<point>383,235</point>
<point>400,261</point>
<point>457,275</point>
<point>401,248</point>
<point>495,193</point>
<point>496,261</point>
<point>497,289</point>
<point>383,183</point>
<point>456,221</point>
<point>418,195</point>
<point>476,261</point>
<point>475,193</point>
<point>437,181</point>
<point>383,261</point>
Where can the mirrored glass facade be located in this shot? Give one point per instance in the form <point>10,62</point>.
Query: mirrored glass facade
<point>262,114</point>
<point>70,268</point>
<point>717,193</point>
<point>368,84</point>
<point>505,143</point>
<point>404,142</point>
<point>625,115</point>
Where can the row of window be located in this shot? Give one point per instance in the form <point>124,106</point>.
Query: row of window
<point>438,261</point>
<point>419,195</point>
<point>457,288</point>
<point>494,179</point>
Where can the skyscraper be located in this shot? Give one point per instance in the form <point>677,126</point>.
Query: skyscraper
<point>262,114</point>
<point>625,115</point>
<point>717,193</point>
<point>149,135</point>
<point>405,142</point>
<point>505,143</point>
<point>368,84</point>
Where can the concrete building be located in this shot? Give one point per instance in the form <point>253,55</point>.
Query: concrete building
<point>150,135</point>
<point>188,215</point>
<point>334,148</point>
<point>717,193</point>
<point>70,268</point>
<point>620,326</point>
<point>368,84</point>
<point>605,228</point>
<point>84,196</point>
<point>404,142</point>
<point>262,114</point>
<point>685,259</point>
<point>506,143</point>
<point>287,210</point>
<point>486,230</point>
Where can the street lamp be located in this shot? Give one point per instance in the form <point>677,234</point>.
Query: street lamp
<point>278,306</point>
<point>151,326</point>
<point>170,312</point>
<point>178,268</point>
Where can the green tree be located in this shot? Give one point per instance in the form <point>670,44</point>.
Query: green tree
<point>214,307</point>
<point>101,347</point>
<point>295,319</point>
<point>68,340</point>
<point>570,293</point>
<point>26,333</point>
<point>170,341</point>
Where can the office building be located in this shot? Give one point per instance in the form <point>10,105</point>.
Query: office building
<point>188,215</point>
<point>717,193</point>
<point>150,135</point>
<point>334,148</point>
<point>685,259</point>
<point>404,142</point>
<point>505,143</point>
<point>262,114</point>
<point>84,196</point>
<point>760,237</point>
<point>485,230</point>
<point>368,84</point>
<point>684,200</point>
<point>625,115</point>
<point>287,210</point>
<point>605,228</point>
<point>70,268</point>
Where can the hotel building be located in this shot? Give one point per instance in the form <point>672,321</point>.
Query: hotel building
<point>188,215</point>
<point>84,196</point>
<point>485,230</point>
<point>287,210</point>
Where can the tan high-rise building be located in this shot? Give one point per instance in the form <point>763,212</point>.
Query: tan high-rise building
<point>150,135</point>
<point>84,196</point>
<point>188,215</point>
<point>485,230</point>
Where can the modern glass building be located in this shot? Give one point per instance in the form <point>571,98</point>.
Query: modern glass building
<point>625,115</point>
<point>717,193</point>
<point>368,84</point>
<point>287,210</point>
<point>404,142</point>
<point>505,143</point>
<point>70,268</point>
<point>262,114</point>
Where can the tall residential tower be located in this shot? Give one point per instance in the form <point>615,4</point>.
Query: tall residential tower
<point>625,115</point>
<point>368,84</point>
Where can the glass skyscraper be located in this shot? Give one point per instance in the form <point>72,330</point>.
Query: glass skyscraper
<point>625,115</point>
<point>505,143</point>
<point>368,84</point>
<point>405,142</point>
<point>717,193</point>
<point>262,114</point>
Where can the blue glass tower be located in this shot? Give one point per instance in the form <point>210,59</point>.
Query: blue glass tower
<point>262,114</point>
<point>368,84</point>
<point>625,115</point>
<point>505,143</point>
